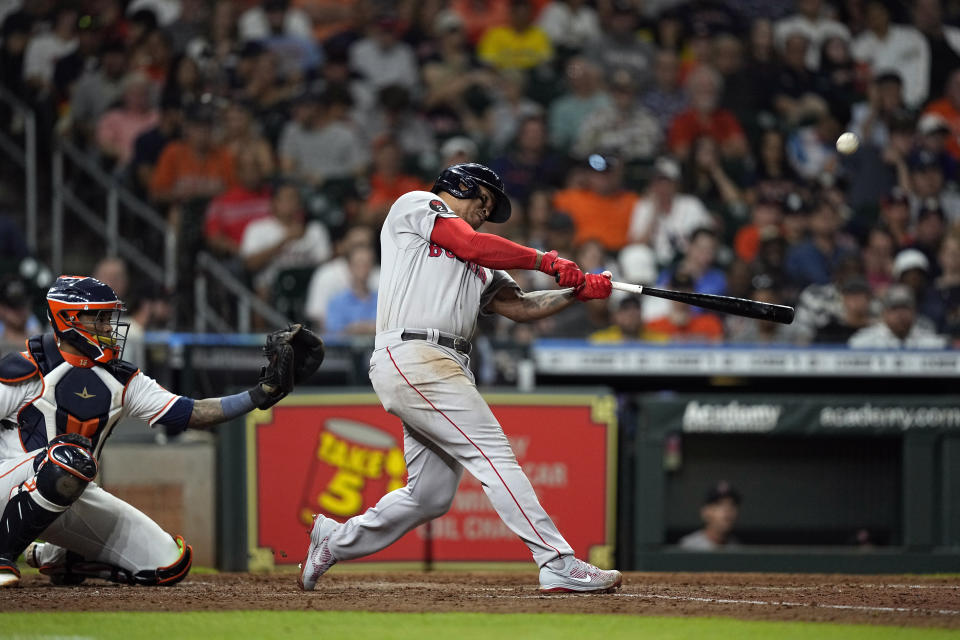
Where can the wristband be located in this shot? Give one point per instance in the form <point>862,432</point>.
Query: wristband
<point>239,403</point>
<point>539,260</point>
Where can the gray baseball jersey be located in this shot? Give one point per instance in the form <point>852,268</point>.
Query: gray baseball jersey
<point>422,285</point>
<point>448,427</point>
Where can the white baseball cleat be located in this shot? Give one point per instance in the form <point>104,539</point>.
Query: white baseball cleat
<point>64,568</point>
<point>577,576</point>
<point>319,558</point>
<point>9,574</point>
<point>30,555</point>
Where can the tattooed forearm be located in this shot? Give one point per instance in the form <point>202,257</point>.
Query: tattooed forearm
<point>206,413</point>
<point>538,304</point>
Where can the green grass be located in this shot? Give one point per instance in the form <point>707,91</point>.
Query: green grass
<point>292,625</point>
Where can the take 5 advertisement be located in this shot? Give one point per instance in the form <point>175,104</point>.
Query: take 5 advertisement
<point>338,454</point>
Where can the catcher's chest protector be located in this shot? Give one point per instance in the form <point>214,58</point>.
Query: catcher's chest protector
<point>74,399</point>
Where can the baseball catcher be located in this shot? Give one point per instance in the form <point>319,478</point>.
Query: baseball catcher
<point>60,399</point>
<point>437,274</point>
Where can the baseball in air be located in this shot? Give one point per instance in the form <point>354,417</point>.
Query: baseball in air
<point>847,143</point>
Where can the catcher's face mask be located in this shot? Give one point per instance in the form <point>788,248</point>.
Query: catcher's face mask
<point>85,313</point>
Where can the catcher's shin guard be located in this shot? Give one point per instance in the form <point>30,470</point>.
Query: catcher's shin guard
<point>68,568</point>
<point>172,573</point>
<point>64,470</point>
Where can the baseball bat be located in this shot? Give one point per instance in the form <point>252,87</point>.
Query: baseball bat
<point>724,304</point>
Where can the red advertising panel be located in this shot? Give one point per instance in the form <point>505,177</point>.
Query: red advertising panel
<point>338,454</point>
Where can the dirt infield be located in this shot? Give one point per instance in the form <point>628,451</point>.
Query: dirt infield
<point>887,600</point>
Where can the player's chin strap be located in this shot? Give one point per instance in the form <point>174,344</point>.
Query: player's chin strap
<point>75,570</point>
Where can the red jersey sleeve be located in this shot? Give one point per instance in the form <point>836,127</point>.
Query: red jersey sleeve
<point>484,249</point>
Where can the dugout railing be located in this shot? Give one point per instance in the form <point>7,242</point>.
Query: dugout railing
<point>18,141</point>
<point>81,192</point>
<point>122,212</point>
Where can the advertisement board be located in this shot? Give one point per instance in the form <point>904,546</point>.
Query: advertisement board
<point>338,454</point>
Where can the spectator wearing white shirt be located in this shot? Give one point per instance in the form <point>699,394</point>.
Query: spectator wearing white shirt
<point>665,219</point>
<point>898,328</point>
<point>285,31</point>
<point>44,49</point>
<point>570,24</point>
<point>274,17</point>
<point>284,240</point>
<point>870,119</point>
<point>811,150</point>
<point>943,40</point>
<point>333,277</point>
<point>166,11</point>
<point>812,20</point>
<point>382,59</point>
<point>884,46</point>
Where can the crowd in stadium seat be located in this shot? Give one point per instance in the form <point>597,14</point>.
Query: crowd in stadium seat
<point>688,143</point>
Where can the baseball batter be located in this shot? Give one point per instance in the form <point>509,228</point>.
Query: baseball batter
<point>437,275</point>
<point>59,401</point>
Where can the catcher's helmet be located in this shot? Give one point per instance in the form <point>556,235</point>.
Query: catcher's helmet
<point>100,335</point>
<point>461,180</point>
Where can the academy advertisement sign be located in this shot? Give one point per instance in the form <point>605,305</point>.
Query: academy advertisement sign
<point>338,454</point>
<point>731,417</point>
<point>808,414</point>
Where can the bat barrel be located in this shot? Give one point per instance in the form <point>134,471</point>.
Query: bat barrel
<point>727,304</point>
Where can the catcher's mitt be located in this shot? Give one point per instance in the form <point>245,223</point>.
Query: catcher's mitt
<point>293,355</point>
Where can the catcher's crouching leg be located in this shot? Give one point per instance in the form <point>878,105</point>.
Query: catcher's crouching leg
<point>63,471</point>
<point>172,573</point>
<point>69,568</point>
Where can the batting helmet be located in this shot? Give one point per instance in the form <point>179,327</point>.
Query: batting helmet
<point>463,180</point>
<point>100,335</point>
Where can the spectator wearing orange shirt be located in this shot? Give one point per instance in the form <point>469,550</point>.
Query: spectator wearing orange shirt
<point>680,324</point>
<point>706,118</point>
<point>387,182</point>
<point>948,108</point>
<point>195,167</point>
<point>480,15</point>
<point>767,212</point>
<point>602,209</point>
<point>331,17</point>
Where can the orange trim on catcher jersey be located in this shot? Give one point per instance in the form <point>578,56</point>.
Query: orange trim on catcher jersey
<point>26,355</point>
<point>123,397</point>
<point>162,409</point>
<point>16,467</point>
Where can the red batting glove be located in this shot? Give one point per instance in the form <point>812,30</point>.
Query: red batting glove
<point>595,286</point>
<point>546,261</point>
<point>566,272</point>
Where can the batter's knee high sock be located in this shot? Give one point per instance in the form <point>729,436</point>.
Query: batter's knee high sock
<point>26,516</point>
